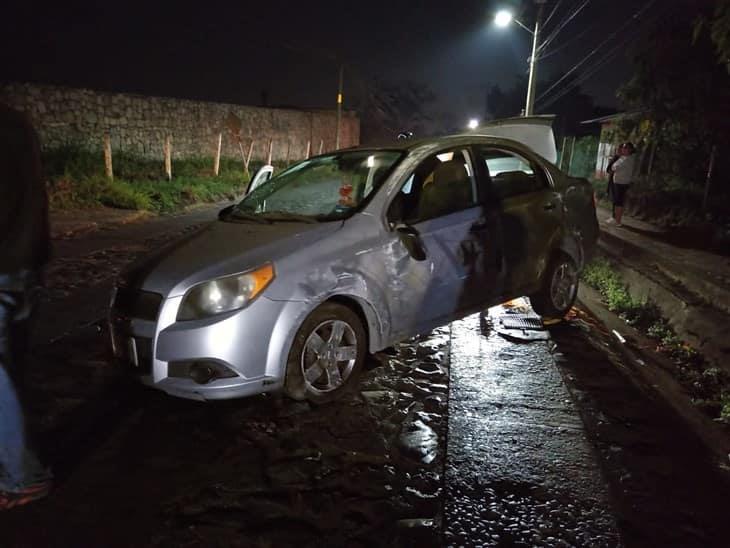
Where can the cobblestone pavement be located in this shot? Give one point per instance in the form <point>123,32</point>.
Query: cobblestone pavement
<point>520,470</point>
<point>266,471</point>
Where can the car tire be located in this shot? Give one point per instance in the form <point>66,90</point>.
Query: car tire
<point>559,288</point>
<point>327,354</point>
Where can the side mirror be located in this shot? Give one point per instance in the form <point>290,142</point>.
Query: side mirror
<point>225,211</point>
<point>411,240</point>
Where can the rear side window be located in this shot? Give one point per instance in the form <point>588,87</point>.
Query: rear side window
<point>512,174</point>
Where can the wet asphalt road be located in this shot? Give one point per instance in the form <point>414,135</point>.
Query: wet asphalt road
<point>548,443</point>
<point>519,469</point>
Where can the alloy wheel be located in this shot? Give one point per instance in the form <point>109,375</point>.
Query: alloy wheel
<point>564,285</point>
<point>328,356</point>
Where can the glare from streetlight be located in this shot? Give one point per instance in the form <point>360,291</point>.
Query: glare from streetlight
<point>473,123</point>
<point>503,18</point>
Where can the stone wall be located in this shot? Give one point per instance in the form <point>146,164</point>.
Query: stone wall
<point>139,124</point>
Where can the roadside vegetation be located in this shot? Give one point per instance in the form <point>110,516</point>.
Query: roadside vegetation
<point>708,386</point>
<point>76,179</point>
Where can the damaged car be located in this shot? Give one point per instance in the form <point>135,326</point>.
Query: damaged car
<point>346,253</point>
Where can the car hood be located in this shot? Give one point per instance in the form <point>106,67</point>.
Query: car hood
<point>220,249</point>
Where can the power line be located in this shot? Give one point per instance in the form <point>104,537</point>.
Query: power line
<point>598,47</point>
<point>555,8</point>
<point>593,69</point>
<point>561,25</point>
<point>571,40</point>
<point>587,74</point>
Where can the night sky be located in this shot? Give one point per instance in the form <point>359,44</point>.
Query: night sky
<point>291,50</point>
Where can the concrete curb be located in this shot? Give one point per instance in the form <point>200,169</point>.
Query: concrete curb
<point>701,285</point>
<point>650,370</point>
<point>699,318</point>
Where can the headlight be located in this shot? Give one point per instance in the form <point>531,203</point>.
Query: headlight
<point>224,294</point>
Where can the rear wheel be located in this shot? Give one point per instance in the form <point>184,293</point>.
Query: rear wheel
<point>327,355</point>
<point>559,288</point>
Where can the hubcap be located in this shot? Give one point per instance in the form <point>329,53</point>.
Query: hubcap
<point>564,286</point>
<point>328,356</point>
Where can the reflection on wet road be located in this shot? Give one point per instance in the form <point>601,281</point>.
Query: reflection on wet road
<point>519,468</point>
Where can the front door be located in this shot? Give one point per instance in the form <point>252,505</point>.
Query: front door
<point>440,203</point>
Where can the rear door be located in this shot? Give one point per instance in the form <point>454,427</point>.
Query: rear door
<point>531,214</point>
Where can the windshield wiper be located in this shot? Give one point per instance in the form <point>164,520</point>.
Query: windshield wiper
<point>284,216</point>
<point>236,215</point>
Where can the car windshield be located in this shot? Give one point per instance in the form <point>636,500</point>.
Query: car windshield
<point>319,189</point>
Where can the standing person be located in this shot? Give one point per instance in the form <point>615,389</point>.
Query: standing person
<point>24,250</point>
<point>609,186</point>
<point>623,173</point>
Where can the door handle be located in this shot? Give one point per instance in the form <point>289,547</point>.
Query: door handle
<point>548,206</point>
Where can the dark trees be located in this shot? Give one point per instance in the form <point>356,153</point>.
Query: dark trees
<point>681,90</point>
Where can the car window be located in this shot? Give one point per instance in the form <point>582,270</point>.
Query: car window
<point>511,174</point>
<point>442,184</point>
<point>324,188</point>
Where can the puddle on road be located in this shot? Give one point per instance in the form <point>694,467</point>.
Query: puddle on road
<point>519,469</point>
<point>418,441</point>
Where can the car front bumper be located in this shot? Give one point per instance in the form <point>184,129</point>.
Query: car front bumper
<point>249,346</point>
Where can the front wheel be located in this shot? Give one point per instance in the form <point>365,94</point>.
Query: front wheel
<point>559,288</point>
<point>327,354</point>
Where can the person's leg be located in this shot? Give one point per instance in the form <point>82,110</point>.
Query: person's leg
<point>12,428</point>
<point>619,211</point>
<point>620,191</point>
<point>19,466</point>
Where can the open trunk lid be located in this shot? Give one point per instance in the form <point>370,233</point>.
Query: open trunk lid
<point>535,132</point>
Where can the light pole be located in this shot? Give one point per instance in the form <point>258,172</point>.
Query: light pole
<point>339,109</point>
<point>504,18</point>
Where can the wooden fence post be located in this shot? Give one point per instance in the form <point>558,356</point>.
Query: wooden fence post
<point>309,149</point>
<point>108,157</point>
<point>271,151</point>
<point>168,157</point>
<point>248,156</point>
<point>217,163</point>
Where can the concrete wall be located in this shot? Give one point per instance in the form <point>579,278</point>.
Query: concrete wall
<point>138,124</point>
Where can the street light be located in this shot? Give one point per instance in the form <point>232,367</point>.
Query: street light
<point>502,19</point>
<point>473,123</point>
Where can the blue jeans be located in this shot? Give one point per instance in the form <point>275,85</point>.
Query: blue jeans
<point>19,465</point>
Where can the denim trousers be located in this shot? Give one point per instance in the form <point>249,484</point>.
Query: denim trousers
<point>19,465</point>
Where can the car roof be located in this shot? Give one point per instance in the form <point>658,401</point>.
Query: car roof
<point>435,143</point>
<point>530,133</point>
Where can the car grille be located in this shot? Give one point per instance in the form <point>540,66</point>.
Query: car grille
<point>134,303</point>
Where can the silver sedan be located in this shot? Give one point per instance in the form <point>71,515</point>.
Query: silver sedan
<point>345,254</point>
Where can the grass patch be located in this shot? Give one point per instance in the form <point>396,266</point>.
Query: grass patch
<point>601,275</point>
<point>725,410</point>
<point>709,387</point>
<point>77,180</point>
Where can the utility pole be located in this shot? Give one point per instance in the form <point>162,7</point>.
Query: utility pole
<point>339,108</point>
<point>532,82</point>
